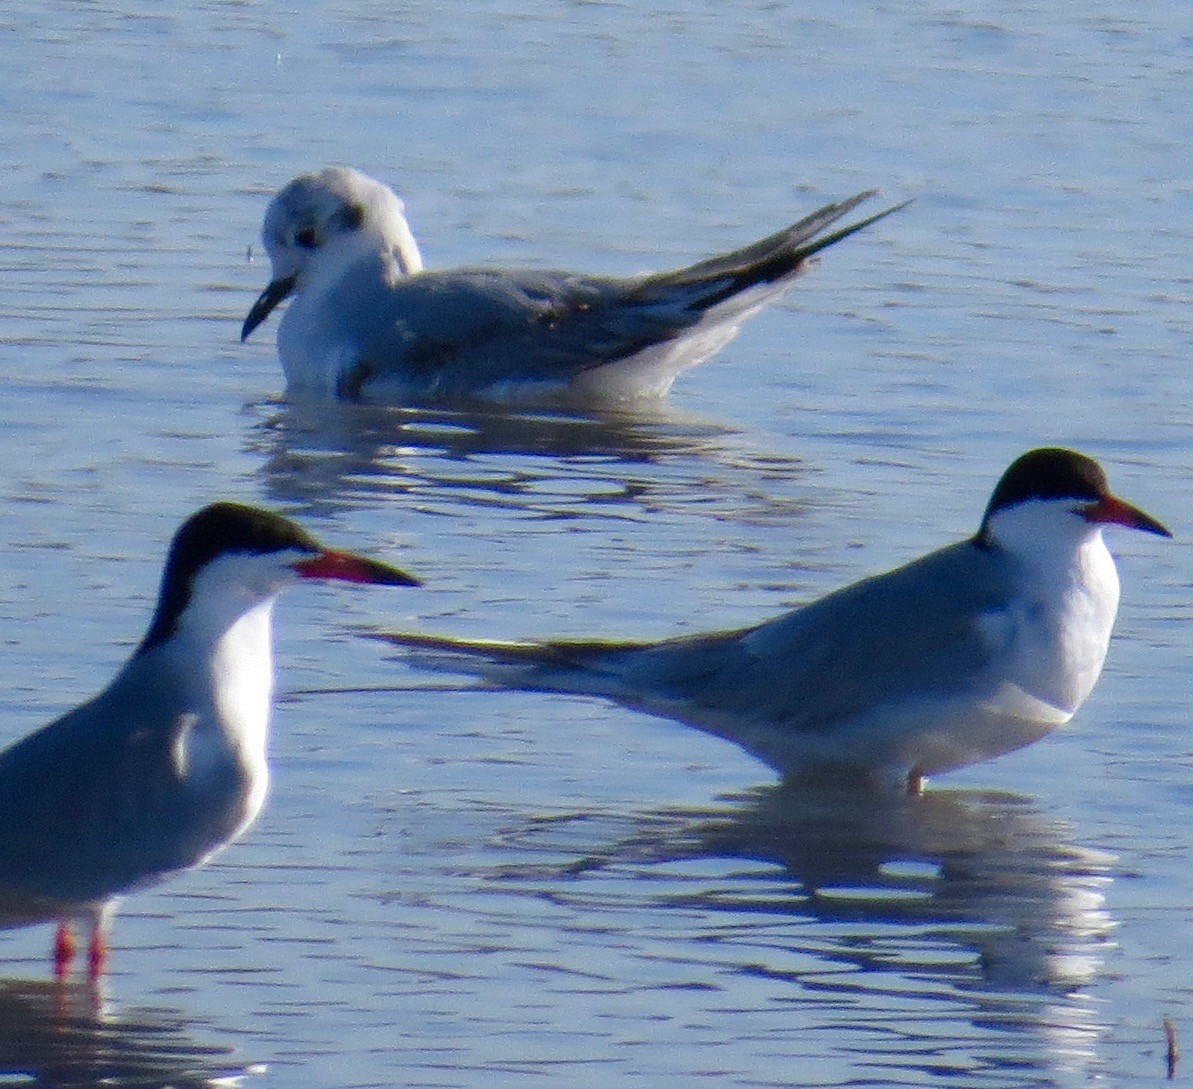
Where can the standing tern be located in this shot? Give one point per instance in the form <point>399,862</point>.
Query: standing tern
<point>965,654</point>
<point>167,765</point>
<point>367,322</point>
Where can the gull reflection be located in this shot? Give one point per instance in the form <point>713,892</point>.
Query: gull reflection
<point>327,457</point>
<point>57,1035</point>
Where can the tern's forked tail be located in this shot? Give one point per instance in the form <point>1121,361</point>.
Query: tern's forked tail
<point>549,666</point>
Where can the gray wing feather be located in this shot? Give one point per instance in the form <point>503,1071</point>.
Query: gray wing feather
<point>450,332</point>
<point>93,804</point>
<point>454,332</point>
<point>902,635</point>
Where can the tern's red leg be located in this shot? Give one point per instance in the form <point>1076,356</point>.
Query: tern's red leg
<point>64,950</point>
<point>98,952</point>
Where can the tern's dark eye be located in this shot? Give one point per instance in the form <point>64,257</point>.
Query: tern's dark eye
<point>306,238</point>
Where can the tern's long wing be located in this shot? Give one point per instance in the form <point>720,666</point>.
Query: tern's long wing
<point>912,636</point>
<point>101,800</point>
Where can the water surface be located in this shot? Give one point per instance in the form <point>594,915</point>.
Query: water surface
<point>453,888</point>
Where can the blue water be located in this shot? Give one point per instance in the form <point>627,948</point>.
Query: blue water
<point>466,889</point>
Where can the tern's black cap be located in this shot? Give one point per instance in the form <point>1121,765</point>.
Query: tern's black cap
<point>1053,472</point>
<point>216,530</point>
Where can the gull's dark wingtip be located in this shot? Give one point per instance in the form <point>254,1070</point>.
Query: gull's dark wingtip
<point>824,241</point>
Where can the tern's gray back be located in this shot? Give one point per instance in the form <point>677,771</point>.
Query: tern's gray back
<point>905,635</point>
<point>99,801</point>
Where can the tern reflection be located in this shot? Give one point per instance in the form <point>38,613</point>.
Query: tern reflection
<point>323,457</point>
<point>988,872</point>
<point>957,924</point>
<point>56,1035</point>
<point>983,886</point>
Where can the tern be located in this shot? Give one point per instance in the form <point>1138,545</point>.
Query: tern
<point>167,765</point>
<point>366,321</point>
<point>968,653</point>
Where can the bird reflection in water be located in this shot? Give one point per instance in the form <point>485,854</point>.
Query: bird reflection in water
<point>324,457</point>
<point>987,870</point>
<point>62,1035</point>
<point>958,903</point>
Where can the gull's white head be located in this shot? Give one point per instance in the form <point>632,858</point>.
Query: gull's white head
<point>321,222</point>
<point>1054,500</point>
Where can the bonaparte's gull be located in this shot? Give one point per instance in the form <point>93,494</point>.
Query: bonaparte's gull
<point>965,654</point>
<point>366,321</point>
<point>168,764</point>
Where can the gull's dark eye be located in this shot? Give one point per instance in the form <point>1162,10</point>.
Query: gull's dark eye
<point>306,238</point>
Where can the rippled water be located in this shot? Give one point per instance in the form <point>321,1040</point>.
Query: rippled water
<point>455,888</point>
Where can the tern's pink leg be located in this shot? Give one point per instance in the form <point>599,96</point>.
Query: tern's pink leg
<point>64,950</point>
<point>98,953</point>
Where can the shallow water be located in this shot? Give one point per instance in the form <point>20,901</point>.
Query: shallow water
<point>453,888</point>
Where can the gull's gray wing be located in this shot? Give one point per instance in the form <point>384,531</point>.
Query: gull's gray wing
<point>455,332</point>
